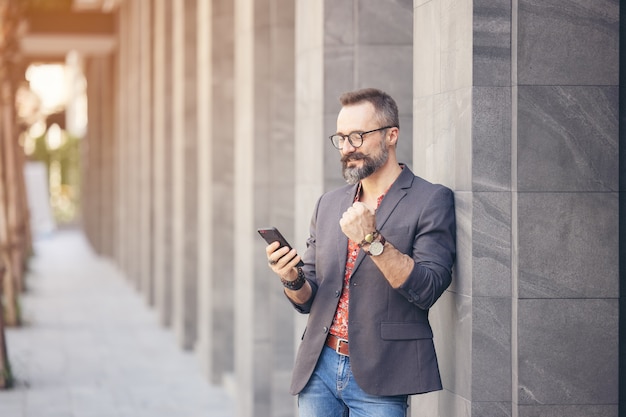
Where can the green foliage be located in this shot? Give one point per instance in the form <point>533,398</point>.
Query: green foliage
<point>64,164</point>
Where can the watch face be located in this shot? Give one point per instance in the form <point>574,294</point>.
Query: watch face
<point>376,248</point>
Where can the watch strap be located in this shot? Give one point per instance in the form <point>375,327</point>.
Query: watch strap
<point>382,241</point>
<point>369,238</point>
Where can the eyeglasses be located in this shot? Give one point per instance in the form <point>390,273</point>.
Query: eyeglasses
<point>355,138</point>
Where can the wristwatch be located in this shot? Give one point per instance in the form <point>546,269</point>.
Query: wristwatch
<point>376,242</point>
<point>377,246</point>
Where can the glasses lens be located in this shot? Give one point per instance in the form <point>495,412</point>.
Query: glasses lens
<point>356,139</point>
<point>337,141</point>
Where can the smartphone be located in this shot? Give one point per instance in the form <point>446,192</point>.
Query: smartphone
<point>271,235</point>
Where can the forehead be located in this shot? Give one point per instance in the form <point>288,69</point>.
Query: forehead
<point>356,117</point>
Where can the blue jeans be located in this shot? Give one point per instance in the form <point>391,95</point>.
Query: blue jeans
<point>333,392</point>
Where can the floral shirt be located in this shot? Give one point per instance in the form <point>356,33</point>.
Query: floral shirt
<point>339,327</point>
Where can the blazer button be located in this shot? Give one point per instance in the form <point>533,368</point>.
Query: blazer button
<point>325,329</point>
<point>337,293</point>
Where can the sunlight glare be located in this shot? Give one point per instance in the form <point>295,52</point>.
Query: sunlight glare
<point>48,82</point>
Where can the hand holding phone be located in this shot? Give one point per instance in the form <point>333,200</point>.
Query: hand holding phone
<point>271,235</point>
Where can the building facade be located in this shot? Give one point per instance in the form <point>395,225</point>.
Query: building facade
<point>209,119</point>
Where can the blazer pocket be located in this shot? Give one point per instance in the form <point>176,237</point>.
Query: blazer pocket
<point>405,331</point>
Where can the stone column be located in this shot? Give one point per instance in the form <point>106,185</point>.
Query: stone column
<point>91,164</point>
<point>133,140</point>
<point>97,191</point>
<point>531,139</point>
<point>129,134</point>
<point>223,135</point>
<point>441,151</point>
<point>122,183</point>
<point>264,195</point>
<point>185,172</point>
<point>159,156</point>
<point>163,139</point>
<point>109,155</point>
<point>565,208</point>
<point>216,308</point>
<point>145,155</point>
<point>310,128</point>
<point>204,345</point>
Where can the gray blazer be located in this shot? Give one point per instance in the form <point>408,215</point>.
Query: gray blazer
<point>391,341</point>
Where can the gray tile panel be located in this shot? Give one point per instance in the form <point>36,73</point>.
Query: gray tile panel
<point>568,42</point>
<point>568,352</point>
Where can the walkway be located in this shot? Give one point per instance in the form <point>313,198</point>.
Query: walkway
<point>91,347</point>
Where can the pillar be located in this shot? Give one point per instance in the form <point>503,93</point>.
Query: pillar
<point>216,124</point>
<point>565,208</point>
<point>185,172</point>
<point>163,139</point>
<point>145,152</point>
<point>98,150</point>
<point>159,173</point>
<point>524,128</point>
<point>122,253</point>
<point>264,195</point>
<point>204,346</point>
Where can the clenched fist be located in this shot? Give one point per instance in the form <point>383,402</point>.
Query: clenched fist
<point>358,221</point>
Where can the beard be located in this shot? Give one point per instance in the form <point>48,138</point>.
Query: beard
<point>370,165</point>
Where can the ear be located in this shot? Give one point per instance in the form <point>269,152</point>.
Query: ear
<point>392,135</point>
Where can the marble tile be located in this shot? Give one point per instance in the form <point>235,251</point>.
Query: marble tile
<point>389,69</point>
<point>427,49</point>
<point>451,319</point>
<point>453,404</point>
<point>568,42</point>
<point>578,410</point>
<point>491,349</point>
<point>568,245</point>
<point>567,138</point>
<point>444,139</point>
<point>338,75</point>
<point>460,125</point>
<point>423,132</point>
<point>491,245</point>
<point>424,404</point>
<point>462,275</point>
<point>491,139</point>
<point>339,23</point>
<point>385,22</point>
<point>456,44</point>
<point>568,351</point>
<point>492,43</point>
<point>492,409</point>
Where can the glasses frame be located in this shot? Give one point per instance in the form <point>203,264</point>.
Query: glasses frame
<point>361,134</point>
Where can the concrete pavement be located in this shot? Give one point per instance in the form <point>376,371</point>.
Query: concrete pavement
<point>90,347</point>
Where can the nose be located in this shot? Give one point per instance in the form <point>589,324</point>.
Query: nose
<point>347,147</point>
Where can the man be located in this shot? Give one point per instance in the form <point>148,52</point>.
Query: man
<point>380,253</point>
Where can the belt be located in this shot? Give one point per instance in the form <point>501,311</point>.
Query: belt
<point>338,345</point>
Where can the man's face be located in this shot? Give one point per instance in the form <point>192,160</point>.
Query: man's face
<point>359,163</point>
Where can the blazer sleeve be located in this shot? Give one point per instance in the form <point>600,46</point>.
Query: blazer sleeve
<point>434,251</point>
<point>309,264</point>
